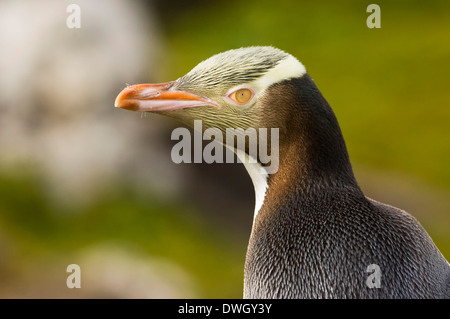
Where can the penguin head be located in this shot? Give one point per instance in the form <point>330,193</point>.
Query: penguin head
<point>256,87</point>
<point>228,90</point>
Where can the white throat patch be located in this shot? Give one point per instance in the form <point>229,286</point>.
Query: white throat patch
<point>259,178</point>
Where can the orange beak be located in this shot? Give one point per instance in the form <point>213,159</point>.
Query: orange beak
<point>158,97</point>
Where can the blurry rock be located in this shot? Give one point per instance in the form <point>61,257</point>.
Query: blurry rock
<point>107,271</point>
<point>117,273</point>
<point>57,91</point>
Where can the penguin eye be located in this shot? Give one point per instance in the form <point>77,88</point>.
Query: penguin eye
<point>241,96</point>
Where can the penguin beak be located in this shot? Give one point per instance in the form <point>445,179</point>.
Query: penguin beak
<point>158,97</point>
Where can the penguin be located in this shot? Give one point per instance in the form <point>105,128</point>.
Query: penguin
<point>315,234</point>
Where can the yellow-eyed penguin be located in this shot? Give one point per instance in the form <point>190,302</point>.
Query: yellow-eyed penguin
<point>315,234</point>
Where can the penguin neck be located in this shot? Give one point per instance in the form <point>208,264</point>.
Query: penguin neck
<point>312,154</point>
<point>259,177</point>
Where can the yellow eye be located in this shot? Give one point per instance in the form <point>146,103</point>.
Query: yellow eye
<point>241,96</point>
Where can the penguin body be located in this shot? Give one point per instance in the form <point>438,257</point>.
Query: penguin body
<point>315,234</point>
<point>304,250</point>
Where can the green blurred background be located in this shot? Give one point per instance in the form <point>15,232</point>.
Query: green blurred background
<point>136,236</point>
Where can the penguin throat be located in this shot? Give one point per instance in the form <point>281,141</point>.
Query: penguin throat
<point>259,177</point>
